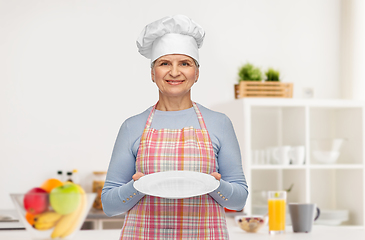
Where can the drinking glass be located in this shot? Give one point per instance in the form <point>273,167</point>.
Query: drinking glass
<point>277,207</point>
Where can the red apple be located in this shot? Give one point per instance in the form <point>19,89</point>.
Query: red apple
<point>36,200</point>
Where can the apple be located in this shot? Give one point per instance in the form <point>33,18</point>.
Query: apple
<point>36,200</point>
<point>65,199</point>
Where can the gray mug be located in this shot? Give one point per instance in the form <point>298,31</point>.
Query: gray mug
<point>302,216</point>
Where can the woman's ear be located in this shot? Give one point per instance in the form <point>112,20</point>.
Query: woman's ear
<point>152,75</point>
<point>197,75</point>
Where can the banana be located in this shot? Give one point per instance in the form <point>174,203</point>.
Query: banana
<point>43,226</point>
<point>46,220</point>
<point>68,223</point>
<point>79,215</point>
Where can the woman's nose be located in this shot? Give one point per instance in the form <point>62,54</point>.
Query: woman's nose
<point>175,71</point>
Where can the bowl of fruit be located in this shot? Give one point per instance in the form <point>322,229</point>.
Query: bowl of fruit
<point>54,210</point>
<point>251,224</point>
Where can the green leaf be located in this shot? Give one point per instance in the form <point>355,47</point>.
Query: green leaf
<point>272,75</point>
<point>249,73</point>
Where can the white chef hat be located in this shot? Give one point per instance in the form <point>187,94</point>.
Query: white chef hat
<point>171,35</point>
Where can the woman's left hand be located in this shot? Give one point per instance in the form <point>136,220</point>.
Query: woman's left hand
<point>216,175</point>
<point>137,176</point>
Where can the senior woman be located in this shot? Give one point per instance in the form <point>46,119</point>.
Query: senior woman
<point>173,135</point>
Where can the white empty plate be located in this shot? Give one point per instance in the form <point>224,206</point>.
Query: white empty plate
<point>176,184</point>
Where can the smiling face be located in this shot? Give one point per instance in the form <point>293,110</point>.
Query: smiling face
<point>174,75</point>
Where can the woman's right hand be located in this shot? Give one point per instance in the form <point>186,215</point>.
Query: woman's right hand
<point>137,176</point>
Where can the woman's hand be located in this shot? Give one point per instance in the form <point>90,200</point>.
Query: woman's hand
<point>216,175</point>
<point>137,176</point>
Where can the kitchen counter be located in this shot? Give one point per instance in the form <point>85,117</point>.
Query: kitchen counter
<point>235,233</point>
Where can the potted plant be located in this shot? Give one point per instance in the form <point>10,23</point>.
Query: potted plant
<point>250,83</point>
<point>272,75</point>
<point>248,72</point>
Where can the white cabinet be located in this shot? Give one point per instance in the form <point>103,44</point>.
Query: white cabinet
<point>97,220</point>
<point>263,123</point>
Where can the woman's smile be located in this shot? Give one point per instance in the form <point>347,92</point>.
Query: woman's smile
<point>175,82</point>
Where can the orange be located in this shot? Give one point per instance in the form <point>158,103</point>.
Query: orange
<point>51,183</point>
<point>30,218</point>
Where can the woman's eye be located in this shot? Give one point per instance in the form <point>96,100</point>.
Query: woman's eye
<point>185,64</point>
<point>164,64</point>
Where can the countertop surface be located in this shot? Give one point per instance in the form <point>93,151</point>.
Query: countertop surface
<point>235,233</point>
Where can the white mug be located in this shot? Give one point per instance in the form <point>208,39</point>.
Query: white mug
<point>262,156</point>
<point>297,155</point>
<point>268,155</point>
<point>255,157</point>
<point>281,155</point>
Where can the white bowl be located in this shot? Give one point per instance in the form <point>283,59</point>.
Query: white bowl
<point>71,224</point>
<point>251,223</point>
<point>332,217</point>
<point>326,157</point>
<point>326,151</point>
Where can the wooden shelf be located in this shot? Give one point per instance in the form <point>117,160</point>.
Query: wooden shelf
<point>253,167</point>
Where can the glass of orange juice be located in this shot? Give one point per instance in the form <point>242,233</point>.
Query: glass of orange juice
<point>277,207</point>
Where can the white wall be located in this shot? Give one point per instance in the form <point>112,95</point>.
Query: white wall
<point>70,72</point>
<point>353,49</point>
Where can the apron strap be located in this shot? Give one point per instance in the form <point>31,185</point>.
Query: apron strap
<point>149,119</point>
<point>200,117</point>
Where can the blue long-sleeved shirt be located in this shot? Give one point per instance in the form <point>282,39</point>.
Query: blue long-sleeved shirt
<point>119,195</point>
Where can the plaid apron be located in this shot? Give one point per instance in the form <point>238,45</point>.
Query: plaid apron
<point>198,217</point>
